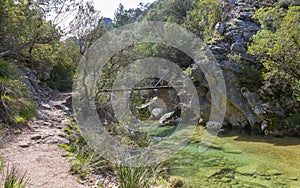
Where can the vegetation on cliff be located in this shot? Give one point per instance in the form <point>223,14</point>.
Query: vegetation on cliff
<point>277,47</point>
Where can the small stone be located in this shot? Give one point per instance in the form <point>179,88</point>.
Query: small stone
<point>62,135</point>
<point>65,122</point>
<point>176,182</point>
<point>220,56</point>
<point>267,178</point>
<point>57,140</point>
<point>46,106</point>
<point>246,170</point>
<point>36,137</point>
<point>245,16</point>
<point>273,172</point>
<point>106,182</point>
<point>294,178</point>
<point>46,123</point>
<point>24,144</point>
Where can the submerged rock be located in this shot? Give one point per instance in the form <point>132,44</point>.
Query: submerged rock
<point>247,170</point>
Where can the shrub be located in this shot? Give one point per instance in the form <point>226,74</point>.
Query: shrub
<point>15,103</point>
<point>203,18</point>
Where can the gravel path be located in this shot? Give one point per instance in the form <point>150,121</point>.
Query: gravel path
<point>36,150</point>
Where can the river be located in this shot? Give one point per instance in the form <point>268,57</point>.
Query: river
<point>239,160</point>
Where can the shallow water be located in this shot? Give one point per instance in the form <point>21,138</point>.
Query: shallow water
<point>239,160</point>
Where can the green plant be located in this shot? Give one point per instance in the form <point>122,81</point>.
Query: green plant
<point>15,103</point>
<point>86,159</point>
<point>141,176</point>
<point>135,177</point>
<point>13,179</point>
<point>7,70</point>
<point>176,182</point>
<point>203,18</point>
<point>18,131</point>
<point>277,47</point>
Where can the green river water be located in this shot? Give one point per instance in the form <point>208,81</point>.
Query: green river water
<point>239,160</point>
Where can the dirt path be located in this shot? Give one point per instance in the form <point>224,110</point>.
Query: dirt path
<point>36,150</point>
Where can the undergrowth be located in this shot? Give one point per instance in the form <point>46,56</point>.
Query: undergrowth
<point>12,178</point>
<point>140,177</point>
<point>16,106</point>
<point>87,161</point>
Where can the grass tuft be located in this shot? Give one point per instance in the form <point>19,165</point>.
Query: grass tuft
<point>14,179</point>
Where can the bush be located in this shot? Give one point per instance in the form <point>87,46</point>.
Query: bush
<point>203,18</point>
<point>277,47</point>
<point>16,105</point>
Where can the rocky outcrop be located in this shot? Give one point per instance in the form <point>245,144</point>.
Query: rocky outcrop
<point>244,109</point>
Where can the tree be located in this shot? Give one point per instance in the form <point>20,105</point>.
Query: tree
<point>277,46</point>
<point>126,16</point>
<point>203,18</point>
<point>170,9</point>
<point>65,61</point>
<point>22,25</point>
<point>27,23</point>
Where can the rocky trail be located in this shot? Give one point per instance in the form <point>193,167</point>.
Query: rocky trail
<point>35,150</point>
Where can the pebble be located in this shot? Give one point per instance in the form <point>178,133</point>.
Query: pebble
<point>274,172</point>
<point>56,140</point>
<point>267,178</point>
<point>25,144</point>
<point>46,106</point>
<point>47,123</point>
<point>294,178</point>
<point>36,137</point>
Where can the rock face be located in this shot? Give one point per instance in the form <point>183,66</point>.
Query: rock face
<point>244,109</point>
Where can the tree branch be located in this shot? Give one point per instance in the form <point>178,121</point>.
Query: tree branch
<point>37,40</point>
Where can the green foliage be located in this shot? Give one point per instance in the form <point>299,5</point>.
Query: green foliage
<point>15,104</point>
<point>137,177</point>
<point>13,179</point>
<point>203,18</point>
<point>22,23</point>
<point>65,60</point>
<point>270,17</point>
<point>277,46</point>
<point>86,159</point>
<point>136,100</point>
<point>28,37</point>
<point>7,70</point>
<point>170,10</point>
<point>285,123</point>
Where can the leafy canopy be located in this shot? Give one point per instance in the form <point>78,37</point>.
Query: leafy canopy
<point>277,46</point>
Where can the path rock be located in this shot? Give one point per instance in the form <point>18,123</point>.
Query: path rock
<point>55,140</point>
<point>36,137</point>
<point>46,106</point>
<point>25,144</point>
